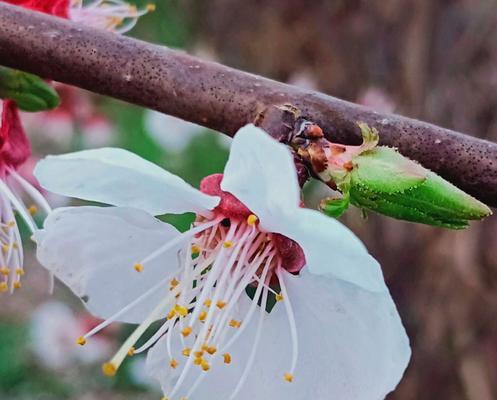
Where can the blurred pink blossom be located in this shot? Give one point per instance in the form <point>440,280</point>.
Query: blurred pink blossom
<point>54,331</point>
<point>377,99</point>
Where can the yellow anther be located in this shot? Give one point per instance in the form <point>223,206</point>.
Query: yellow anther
<point>15,245</point>
<point>208,303</point>
<point>227,358</point>
<point>235,324</point>
<point>186,331</point>
<point>5,271</point>
<point>109,369</point>
<point>202,316</point>
<point>288,377</point>
<point>196,249</point>
<point>205,366</point>
<point>17,285</point>
<point>33,209</point>
<point>186,351</point>
<point>211,350</point>
<point>3,287</point>
<point>252,219</point>
<point>19,271</point>
<point>228,244</point>
<point>173,363</point>
<point>221,304</point>
<point>11,224</point>
<point>198,354</point>
<point>198,361</point>
<point>138,267</point>
<point>171,314</point>
<point>279,297</point>
<point>5,248</point>
<point>150,7</point>
<point>180,310</point>
<point>131,351</point>
<point>204,347</point>
<point>81,341</point>
<point>174,282</point>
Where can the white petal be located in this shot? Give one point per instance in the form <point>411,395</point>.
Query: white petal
<point>330,248</point>
<point>261,173</point>
<point>93,250</point>
<point>121,178</point>
<point>352,346</point>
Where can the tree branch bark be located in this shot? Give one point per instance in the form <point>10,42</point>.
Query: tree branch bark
<point>223,98</point>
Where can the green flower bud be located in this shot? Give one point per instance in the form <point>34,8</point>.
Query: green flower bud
<point>30,92</point>
<point>382,180</point>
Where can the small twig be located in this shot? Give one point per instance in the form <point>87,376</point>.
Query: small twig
<point>223,98</point>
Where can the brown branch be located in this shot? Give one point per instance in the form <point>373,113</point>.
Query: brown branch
<point>223,98</point>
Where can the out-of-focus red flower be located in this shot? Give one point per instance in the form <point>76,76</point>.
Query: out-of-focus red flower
<point>59,8</point>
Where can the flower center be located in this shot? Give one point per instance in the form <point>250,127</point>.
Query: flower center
<point>224,259</point>
<point>290,254</point>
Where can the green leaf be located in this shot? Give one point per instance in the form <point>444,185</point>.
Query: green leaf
<point>30,92</point>
<point>335,207</point>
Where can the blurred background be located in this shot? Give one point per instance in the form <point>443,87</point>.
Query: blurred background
<point>433,60</point>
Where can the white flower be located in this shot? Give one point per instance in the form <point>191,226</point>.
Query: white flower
<point>14,152</point>
<point>334,331</point>
<point>112,15</point>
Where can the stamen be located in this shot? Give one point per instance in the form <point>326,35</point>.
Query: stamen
<point>250,361</point>
<point>21,209</point>
<point>186,331</point>
<point>138,267</point>
<point>178,240</point>
<point>252,219</point>
<point>228,244</point>
<point>81,341</point>
<point>135,302</point>
<point>180,310</point>
<point>205,366</point>
<point>220,304</point>
<point>31,191</point>
<point>235,324</point>
<point>279,297</point>
<point>118,358</point>
<point>227,358</point>
<point>109,369</point>
<point>291,320</point>
<point>186,351</point>
<point>288,377</point>
<point>131,351</point>
<point>173,363</point>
